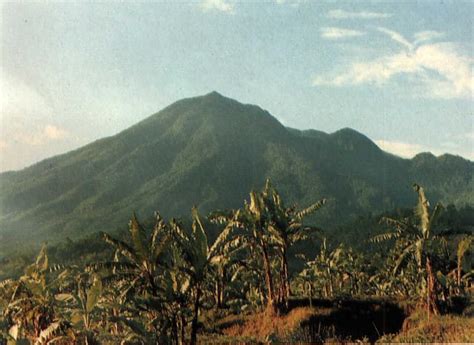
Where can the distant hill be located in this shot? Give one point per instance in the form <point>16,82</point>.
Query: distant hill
<point>210,151</point>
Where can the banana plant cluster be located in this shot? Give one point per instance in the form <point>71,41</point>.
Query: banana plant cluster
<point>268,229</point>
<point>30,312</point>
<point>416,264</point>
<point>152,290</point>
<point>163,278</point>
<point>332,273</point>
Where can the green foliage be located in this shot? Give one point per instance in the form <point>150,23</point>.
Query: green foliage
<point>156,283</point>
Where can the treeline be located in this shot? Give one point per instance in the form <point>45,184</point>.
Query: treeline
<point>153,286</point>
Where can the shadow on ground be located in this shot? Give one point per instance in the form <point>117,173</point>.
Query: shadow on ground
<point>350,319</point>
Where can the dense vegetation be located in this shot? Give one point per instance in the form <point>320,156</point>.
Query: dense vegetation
<point>168,283</point>
<point>209,151</point>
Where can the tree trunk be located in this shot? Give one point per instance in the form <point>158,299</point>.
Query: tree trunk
<point>194,323</point>
<point>268,280</point>
<point>310,295</point>
<point>459,273</point>
<point>174,330</point>
<point>432,297</point>
<point>281,288</point>
<point>286,280</point>
<point>221,288</point>
<point>217,293</point>
<point>331,286</point>
<point>183,330</point>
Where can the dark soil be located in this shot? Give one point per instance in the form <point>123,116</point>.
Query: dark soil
<point>351,319</point>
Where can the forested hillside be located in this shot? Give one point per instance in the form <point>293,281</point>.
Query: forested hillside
<point>208,151</point>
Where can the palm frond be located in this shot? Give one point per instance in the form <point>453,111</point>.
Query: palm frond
<point>423,210</point>
<point>138,235</point>
<point>311,209</point>
<point>158,229</point>
<point>220,217</point>
<point>404,254</point>
<point>437,211</point>
<point>5,282</point>
<point>384,237</point>
<point>124,248</point>
<point>463,246</point>
<point>52,331</point>
<point>220,241</point>
<point>400,225</point>
<point>117,265</point>
<point>199,234</point>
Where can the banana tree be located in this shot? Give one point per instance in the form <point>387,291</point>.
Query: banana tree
<point>286,225</point>
<point>138,269</point>
<point>269,229</point>
<point>464,246</point>
<point>417,238</point>
<point>327,268</point>
<point>248,227</point>
<point>141,259</point>
<point>199,258</point>
<point>79,298</point>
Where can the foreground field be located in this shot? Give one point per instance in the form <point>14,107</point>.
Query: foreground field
<point>170,284</point>
<point>340,321</point>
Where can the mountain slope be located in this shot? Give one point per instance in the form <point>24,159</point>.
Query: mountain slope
<point>210,151</point>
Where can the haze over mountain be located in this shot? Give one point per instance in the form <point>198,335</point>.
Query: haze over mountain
<point>210,151</point>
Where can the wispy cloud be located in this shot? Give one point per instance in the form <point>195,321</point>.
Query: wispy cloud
<point>217,5</point>
<point>396,37</point>
<point>441,68</point>
<point>428,35</point>
<point>341,14</point>
<point>338,33</point>
<point>292,3</point>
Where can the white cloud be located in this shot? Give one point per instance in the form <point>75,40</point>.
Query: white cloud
<point>54,133</point>
<point>217,5</point>
<point>441,69</point>
<point>401,149</point>
<point>337,33</point>
<point>396,37</point>
<point>41,136</point>
<point>375,72</point>
<point>409,150</point>
<point>427,35</point>
<point>341,14</point>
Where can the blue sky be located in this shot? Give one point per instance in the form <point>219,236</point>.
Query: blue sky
<point>399,72</point>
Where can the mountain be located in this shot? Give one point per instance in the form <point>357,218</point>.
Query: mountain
<point>210,151</point>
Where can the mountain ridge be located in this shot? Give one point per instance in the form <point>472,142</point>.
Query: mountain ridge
<point>210,151</point>
<point>215,94</point>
